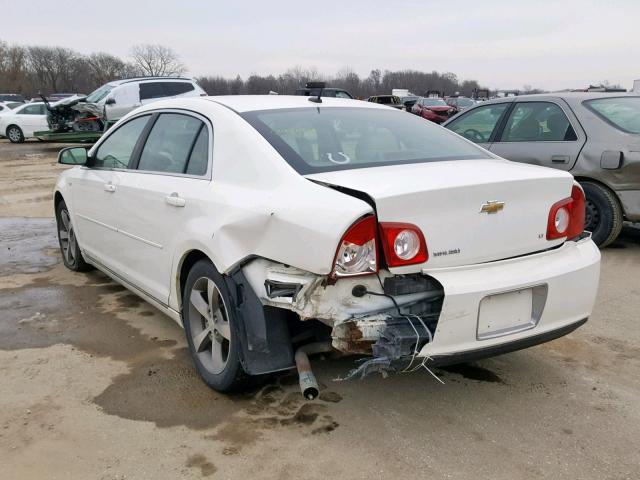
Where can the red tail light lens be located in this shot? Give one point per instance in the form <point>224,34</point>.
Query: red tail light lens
<point>357,251</point>
<point>403,244</point>
<point>566,217</point>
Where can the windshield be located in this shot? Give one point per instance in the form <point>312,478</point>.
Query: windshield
<point>465,102</point>
<point>434,102</point>
<point>314,140</point>
<point>99,94</point>
<point>622,112</point>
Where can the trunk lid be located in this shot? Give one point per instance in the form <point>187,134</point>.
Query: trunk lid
<point>445,199</point>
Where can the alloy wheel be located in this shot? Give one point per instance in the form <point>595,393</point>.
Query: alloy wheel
<point>209,326</point>
<point>67,237</point>
<point>14,134</point>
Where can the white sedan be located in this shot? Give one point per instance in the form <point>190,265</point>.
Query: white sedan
<point>274,227</point>
<point>23,121</point>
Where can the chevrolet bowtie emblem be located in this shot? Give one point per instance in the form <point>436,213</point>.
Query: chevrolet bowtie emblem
<point>492,206</point>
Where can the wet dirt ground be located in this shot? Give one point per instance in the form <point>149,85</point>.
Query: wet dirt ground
<point>97,384</point>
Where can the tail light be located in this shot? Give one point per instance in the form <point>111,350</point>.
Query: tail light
<point>357,251</point>
<point>403,244</point>
<point>566,217</point>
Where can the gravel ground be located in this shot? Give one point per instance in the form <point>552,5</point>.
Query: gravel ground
<point>97,384</point>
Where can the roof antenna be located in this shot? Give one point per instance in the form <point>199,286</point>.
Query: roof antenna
<point>320,86</point>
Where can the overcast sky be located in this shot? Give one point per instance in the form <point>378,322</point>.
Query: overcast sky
<point>507,44</point>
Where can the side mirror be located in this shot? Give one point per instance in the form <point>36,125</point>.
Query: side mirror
<point>110,101</point>
<point>73,156</point>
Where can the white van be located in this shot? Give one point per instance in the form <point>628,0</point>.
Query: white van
<point>116,99</point>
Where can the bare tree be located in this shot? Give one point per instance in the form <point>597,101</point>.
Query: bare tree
<point>156,60</point>
<point>52,66</point>
<point>104,67</point>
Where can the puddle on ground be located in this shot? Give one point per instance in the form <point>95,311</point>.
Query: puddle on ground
<point>161,386</point>
<point>27,245</point>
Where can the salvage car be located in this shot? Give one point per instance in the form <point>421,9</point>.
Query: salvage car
<point>274,227</point>
<point>388,100</point>
<point>595,136</point>
<point>433,109</point>
<point>21,122</point>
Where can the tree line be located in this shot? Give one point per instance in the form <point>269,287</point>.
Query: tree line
<point>30,70</point>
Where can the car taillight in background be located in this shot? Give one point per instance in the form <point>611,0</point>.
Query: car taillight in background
<point>403,244</point>
<point>357,252</point>
<point>566,217</point>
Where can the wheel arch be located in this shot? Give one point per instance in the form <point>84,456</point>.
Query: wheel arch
<point>187,261</point>
<point>6,130</point>
<point>57,198</point>
<point>580,179</point>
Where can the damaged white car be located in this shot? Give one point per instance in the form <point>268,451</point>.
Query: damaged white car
<point>274,227</point>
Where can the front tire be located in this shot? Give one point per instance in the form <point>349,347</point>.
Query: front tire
<point>604,214</point>
<point>15,135</point>
<point>209,325</point>
<point>71,254</point>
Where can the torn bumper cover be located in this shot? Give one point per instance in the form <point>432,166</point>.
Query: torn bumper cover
<point>442,316</point>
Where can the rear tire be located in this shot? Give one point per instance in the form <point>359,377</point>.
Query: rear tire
<point>71,254</point>
<point>15,135</point>
<point>210,329</point>
<point>604,213</point>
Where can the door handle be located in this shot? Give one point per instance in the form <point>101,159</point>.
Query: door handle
<point>109,187</point>
<point>560,159</point>
<point>175,200</point>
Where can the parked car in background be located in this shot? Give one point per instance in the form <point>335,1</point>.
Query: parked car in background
<point>433,109</point>
<point>409,101</point>
<point>313,91</point>
<point>595,136</point>
<point>12,97</point>
<point>6,107</point>
<point>319,226</point>
<point>460,103</point>
<point>115,99</point>
<point>20,123</point>
<point>389,100</point>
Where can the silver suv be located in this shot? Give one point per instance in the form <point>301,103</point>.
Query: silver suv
<point>595,136</point>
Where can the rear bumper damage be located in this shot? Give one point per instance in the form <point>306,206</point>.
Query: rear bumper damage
<point>436,315</point>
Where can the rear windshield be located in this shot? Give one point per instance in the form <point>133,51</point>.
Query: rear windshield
<point>621,112</point>
<point>314,140</point>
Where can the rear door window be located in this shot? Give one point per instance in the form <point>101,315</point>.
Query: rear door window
<point>32,110</point>
<point>479,123</point>
<point>116,151</point>
<point>171,144</point>
<point>177,88</point>
<point>538,122</point>
<point>621,112</point>
<point>150,90</point>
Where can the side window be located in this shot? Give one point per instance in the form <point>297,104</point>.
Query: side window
<point>32,110</point>
<point>170,143</point>
<point>538,122</point>
<point>152,90</point>
<point>116,150</point>
<point>199,158</point>
<point>479,123</point>
<point>177,88</point>
<point>340,94</point>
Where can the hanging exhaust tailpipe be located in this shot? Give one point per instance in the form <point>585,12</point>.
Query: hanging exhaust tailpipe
<point>308,383</point>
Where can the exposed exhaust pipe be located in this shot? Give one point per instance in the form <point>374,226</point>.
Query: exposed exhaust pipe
<point>308,383</point>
